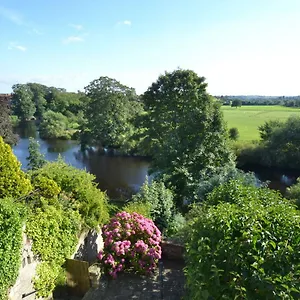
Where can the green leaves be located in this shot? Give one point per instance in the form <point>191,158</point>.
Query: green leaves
<point>110,113</point>
<point>10,244</point>
<point>251,239</point>
<point>184,131</point>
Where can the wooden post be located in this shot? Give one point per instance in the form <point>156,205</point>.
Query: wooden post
<point>78,276</point>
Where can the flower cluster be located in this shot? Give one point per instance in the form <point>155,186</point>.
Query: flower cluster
<point>131,242</point>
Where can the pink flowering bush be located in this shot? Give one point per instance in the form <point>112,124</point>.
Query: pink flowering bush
<point>131,242</point>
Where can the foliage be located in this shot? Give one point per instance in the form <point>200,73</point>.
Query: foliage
<point>293,192</point>
<point>35,159</point>
<point>244,245</point>
<point>141,208</point>
<point>131,242</point>
<point>54,125</point>
<point>224,175</point>
<point>236,103</point>
<point>266,130</point>
<point>79,186</point>
<point>234,133</point>
<point>109,113</point>
<point>13,181</point>
<point>184,131</point>
<point>177,223</point>
<point>10,244</point>
<point>160,200</point>
<point>22,102</point>
<point>6,130</point>
<point>54,232</point>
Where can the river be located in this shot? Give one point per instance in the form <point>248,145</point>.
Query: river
<point>120,176</point>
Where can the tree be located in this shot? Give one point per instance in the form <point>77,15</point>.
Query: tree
<point>35,159</point>
<point>6,130</point>
<point>13,181</point>
<point>109,113</point>
<point>54,125</point>
<point>22,101</point>
<point>184,131</point>
<point>233,133</point>
<point>236,103</point>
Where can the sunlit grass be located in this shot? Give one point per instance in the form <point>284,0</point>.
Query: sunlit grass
<point>248,118</point>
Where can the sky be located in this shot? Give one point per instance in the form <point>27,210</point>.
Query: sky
<point>241,47</point>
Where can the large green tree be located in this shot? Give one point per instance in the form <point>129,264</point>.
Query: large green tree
<point>22,101</point>
<point>109,113</point>
<point>184,131</point>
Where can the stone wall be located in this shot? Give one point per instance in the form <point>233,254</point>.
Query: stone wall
<point>27,271</point>
<point>89,244</point>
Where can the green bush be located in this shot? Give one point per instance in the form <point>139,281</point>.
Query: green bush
<point>244,245</point>
<point>81,191</point>
<point>160,200</point>
<point>234,133</point>
<point>54,232</point>
<point>224,175</point>
<point>293,192</point>
<point>142,208</point>
<point>13,181</point>
<point>10,244</point>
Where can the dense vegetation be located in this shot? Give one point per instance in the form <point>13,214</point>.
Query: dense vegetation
<point>59,112</point>
<point>242,239</point>
<point>244,244</point>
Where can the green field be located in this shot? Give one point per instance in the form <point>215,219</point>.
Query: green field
<point>248,118</point>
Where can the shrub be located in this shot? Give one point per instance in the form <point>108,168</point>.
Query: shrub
<point>234,133</point>
<point>131,242</point>
<point>13,181</point>
<point>142,208</point>
<point>54,232</point>
<point>81,190</point>
<point>10,244</point>
<point>245,245</point>
<point>224,175</point>
<point>160,200</point>
<point>293,192</point>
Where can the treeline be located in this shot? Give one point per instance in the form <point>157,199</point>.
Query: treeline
<point>289,101</point>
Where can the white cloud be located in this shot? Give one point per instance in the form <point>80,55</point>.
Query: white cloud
<point>126,23</point>
<point>76,26</point>
<point>11,15</point>
<point>15,45</point>
<point>73,39</point>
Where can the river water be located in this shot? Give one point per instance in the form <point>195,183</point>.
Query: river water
<point>120,176</point>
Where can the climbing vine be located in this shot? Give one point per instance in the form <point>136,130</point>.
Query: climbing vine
<point>10,244</point>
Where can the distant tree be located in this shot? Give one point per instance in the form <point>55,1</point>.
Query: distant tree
<point>233,133</point>
<point>236,103</point>
<point>35,159</point>
<point>184,131</point>
<point>267,129</point>
<point>22,102</point>
<point>6,130</point>
<point>54,125</point>
<point>109,113</point>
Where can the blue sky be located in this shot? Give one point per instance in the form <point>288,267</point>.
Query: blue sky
<point>240,46</point>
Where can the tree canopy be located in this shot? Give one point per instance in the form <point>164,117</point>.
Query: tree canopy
<point>184,131</point>
<point>109,113</point>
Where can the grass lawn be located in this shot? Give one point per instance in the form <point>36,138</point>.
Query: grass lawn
<point>248,118</point>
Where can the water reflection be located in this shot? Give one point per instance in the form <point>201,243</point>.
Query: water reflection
<point>119,176</point>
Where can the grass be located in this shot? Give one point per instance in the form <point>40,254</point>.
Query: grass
<point>248,118</point>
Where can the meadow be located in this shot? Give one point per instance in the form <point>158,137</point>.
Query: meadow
<point>248,118</point>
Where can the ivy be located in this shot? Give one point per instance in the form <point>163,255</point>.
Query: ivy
<point>54,232</point>
<point>10,244</point>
